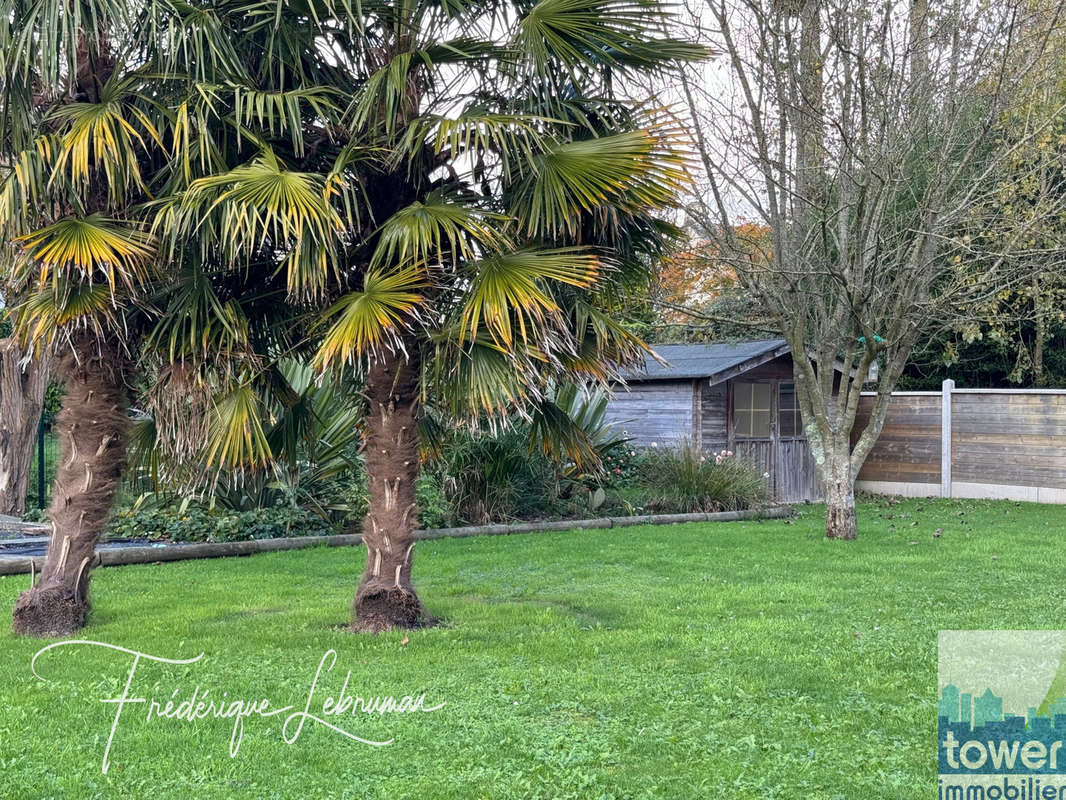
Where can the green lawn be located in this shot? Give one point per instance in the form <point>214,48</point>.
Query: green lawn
<point>736,660</point>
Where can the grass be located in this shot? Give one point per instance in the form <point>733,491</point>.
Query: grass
<point>740,660</point>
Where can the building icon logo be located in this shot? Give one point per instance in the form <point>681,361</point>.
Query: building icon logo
<point>1001,715</point>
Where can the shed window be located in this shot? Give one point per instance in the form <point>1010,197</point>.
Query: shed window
<point>790,420</point>
<point>751,410</point>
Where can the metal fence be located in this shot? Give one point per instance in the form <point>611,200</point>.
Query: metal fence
<point>43,468</point>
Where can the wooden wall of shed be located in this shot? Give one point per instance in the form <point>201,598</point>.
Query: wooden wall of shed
<point>908,450</point>
<point>653,412</point>
<point>780,369</point>
<point>1011,439</point>
<point>714,410</point>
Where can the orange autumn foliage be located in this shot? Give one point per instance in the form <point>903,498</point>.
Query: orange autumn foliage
<point>697,276</point>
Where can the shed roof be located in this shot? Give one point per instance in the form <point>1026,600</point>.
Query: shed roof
<point>686,361</point>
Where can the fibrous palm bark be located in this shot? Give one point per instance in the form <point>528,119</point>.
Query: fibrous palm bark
<point>386,598</point>
<point>92,427</point>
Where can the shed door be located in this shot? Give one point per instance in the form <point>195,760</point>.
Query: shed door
<point>766,429</point>
<point>751,429</point>
<point>796,476</point>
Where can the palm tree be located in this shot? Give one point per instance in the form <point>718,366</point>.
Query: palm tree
<point>113,113</point>
<point>75,259</point>
<point>507,199</point>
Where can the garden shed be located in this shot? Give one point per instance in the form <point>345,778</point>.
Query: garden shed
<point>737,396</point>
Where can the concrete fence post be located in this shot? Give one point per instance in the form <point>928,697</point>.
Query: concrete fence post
<point>945,437</point>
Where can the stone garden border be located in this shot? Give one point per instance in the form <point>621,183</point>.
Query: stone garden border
<point>180,552</point>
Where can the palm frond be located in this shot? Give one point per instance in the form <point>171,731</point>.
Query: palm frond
<point>514,290</point>
<point>470,378</point>
<point>602,344</point>
<point>282,113</point>
<point>260,210</point>
<point>437,230</point>
<point>386,97</point>
<point>88,249</point>
<point>28,187</point>
<point>620,33</point>
<point>236,436</point>
<point>626,171</point>
<point>106,137</point>
<point>571,425</point>
<point>477,131</point>
<point>48,311</point>
<point>195,323</point>
<point>372,318</point>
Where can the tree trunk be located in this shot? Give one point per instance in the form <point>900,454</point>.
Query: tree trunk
<point>1040,335</point>
<point>838,485</point>
<point>92,428</point>
<point>840,521</point>
<point>385,598</point>
<point>23,380</point>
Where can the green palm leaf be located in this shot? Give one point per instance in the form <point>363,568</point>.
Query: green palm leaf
<point>616,32</point>
<point>436,231</point>
<point>261,209</point>
<point>479,131</point>
<point>471,378</point>
<point>626,172</point>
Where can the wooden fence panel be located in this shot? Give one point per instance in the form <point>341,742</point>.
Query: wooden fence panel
<point>908,450</point>
<point>996,443</point>
<point>1010,439</point>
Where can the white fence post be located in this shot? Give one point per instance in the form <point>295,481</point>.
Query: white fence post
<point>945,437</point>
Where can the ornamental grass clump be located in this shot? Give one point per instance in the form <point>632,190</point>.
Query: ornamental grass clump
<point>683,479</point>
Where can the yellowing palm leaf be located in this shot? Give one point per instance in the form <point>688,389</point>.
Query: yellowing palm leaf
<point>86,248</point>
<point>46,311</point>
<point>108,137</point>
<point>235,434</point>
<point>366,320</point>
<point>514,287</point>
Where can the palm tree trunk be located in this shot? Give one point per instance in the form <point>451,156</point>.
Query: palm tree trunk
<point>386,598</point>
<point>92,428</point>
<point>23,381</point>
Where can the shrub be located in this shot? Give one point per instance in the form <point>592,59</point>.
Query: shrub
<point>196,523</point>
<point>683,479</point>
<point>434,511</point>
<point>494,477</point>
<point>623,466</point>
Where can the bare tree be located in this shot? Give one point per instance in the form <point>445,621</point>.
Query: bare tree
<point>23,380</point>
<point>864,136</point>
